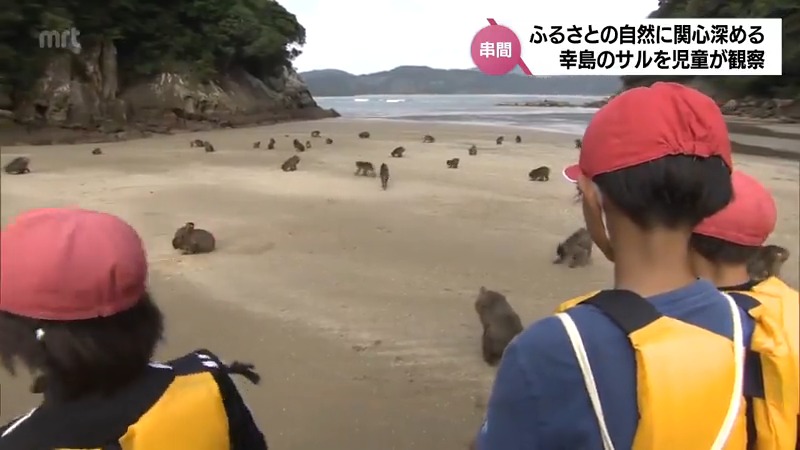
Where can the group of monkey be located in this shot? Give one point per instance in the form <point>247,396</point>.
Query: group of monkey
<point>499,320</point>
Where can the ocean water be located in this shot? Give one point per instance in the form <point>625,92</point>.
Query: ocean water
<point>469,109</point>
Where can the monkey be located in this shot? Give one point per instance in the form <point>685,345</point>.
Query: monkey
<point>209,148</point>
<point>767,262</point>
<point>473,150</point>
<point>315,134</point>
<point>196,143</point>
<point>500,324</point>
<point>578,143</point>
<point>290,165</point>
<point>257,144</point>
<point>191,240</point>
<point>499,140</point>
<point>452,163</point>
<point>518,139</point>
<point>271,144</point>
<point>298,146</point>
<point>540,174</point>
<point>365,168</point>
<point>384,176</point>
<point>428,139</point>
<point>18,166</point>
<point>328,141</point>
<point>308,144</point>
<point>576,249</point>
<point>398,152</point>
<point>97,151</point>
<point>364,135</point>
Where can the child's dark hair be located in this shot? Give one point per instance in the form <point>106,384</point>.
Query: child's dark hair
<point>719,251</point>
<point>98,355</point>
<point>674,191</point>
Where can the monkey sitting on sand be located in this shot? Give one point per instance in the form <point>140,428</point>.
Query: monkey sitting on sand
<point>365,168</point>
<point>473,150</point>
<point>500,324</point>
<point>364,135</point>
<point>257,144</point>
<point>328,141</point>
<point>18,166</point>
<point>453,163</point>
<point>576,249</point>
<point>315,134</point>
<point>97,151</point>
<point>196,143</point>
<point>518,139</point>
<point>428,139</point>
<point>499,140</point>
<point>271,144</point>
<point>308,144</point>
<point>398,152</point>
<point>540,174</point>
<point>767,262</point>
<point>193,240</point>
<point>298,146</point>
<point>208,147</point>
<point>290,165</point>
<point>578,143</point>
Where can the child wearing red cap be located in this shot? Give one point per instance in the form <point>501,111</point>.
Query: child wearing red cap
<point>615,371</point>
<point>721,247</point>
<point>75,310</point>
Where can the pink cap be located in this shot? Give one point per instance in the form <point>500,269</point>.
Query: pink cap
<point>70,264</point>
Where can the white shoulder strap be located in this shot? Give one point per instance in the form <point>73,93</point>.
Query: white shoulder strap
<point>17,422</point>
<point>588,377</point>
<point>591,386</point>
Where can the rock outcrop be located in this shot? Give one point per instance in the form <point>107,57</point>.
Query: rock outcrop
<point>781,110</point>
<point>79,98</point>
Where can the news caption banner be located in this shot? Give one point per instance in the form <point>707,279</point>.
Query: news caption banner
<point>646,47</point>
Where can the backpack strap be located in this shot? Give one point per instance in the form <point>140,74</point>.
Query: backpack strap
<point>627,309</point>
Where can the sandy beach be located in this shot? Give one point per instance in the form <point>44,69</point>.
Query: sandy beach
<point>355,304</point>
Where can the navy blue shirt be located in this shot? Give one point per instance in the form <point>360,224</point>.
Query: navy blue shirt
<point>539,399</point>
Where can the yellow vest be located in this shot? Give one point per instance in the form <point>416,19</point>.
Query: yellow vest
<point>186,404</point>
<point>775,308</point>
<point>684,400</point>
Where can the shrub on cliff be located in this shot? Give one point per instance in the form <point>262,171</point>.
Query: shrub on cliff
<point>785,86</point>
<point>205,37</point>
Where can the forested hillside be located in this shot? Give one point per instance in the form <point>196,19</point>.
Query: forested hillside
<point>786,86</point>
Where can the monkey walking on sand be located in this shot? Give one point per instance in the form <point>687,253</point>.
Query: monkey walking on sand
<point>453,163</point>
<point>363,135</point>
<point>290,165</point>
<point>500,324</point>
<point>540,174</point>
<point>576,250</point>
<point>196,143</point>
<point>767,262</point>
<point>97,151</point>
<point>398,152</point>
<point>18,166</point>
<point>191,240</point>
<point>428,139</point>
<point>365,168</point>
<point>384,172</point>
<point>208,147</point>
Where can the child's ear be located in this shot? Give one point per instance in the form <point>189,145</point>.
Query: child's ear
<point>593,216</point>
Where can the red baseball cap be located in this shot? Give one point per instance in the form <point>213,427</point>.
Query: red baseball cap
<point>647,123</point>
<point>748,219</point>
<point>70,264</point>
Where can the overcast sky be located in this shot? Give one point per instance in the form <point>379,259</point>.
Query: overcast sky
<point>361,36</point>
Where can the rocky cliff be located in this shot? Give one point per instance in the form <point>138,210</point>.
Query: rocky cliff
<point>79,98</point>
